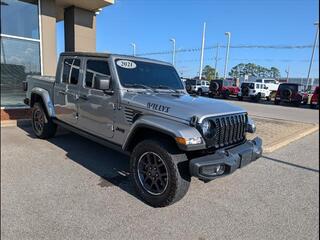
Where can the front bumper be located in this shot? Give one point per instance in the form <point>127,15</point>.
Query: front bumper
<point>231,159</point>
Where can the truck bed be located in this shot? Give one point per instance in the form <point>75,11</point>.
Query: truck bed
<point>43,82</point>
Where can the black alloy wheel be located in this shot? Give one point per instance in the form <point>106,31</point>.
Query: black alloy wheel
<point>152,173</point>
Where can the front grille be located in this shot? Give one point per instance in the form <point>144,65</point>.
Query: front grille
<point>229,130</point>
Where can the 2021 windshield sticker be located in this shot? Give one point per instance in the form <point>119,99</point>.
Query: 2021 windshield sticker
<point>126,64</point>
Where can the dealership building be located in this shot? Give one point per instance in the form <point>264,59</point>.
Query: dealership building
<point>28,40</point>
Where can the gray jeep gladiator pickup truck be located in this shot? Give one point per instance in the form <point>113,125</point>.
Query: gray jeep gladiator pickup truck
<point>140,106</point>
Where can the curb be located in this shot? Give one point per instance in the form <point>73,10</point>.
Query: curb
<point>281,143</point>
<point>15,123</point>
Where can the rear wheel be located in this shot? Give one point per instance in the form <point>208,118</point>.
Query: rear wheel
<point>155,172</point>
<point>199,92</point>
<point>42,125</point>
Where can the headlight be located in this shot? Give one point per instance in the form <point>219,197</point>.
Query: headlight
<point>207,128</point>
<point>251,126</point>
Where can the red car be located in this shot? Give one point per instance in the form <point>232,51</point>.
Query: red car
<point>314,103</point>
<point>223,88</point>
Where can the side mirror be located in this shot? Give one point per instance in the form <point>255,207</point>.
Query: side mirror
<point>102,83</point>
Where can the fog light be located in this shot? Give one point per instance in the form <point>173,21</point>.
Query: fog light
<point>213,170</point>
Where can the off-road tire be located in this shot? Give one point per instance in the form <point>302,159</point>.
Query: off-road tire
<point>48,127</point>
<point>178,180</point>
<point>199,92</point>
<point>268,99</point>
<point>240,98</point>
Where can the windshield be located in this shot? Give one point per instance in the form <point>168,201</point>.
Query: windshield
<point>152,75</point>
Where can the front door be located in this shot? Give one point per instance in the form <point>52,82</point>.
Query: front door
<point>96,108</point>
<point>66,91</point>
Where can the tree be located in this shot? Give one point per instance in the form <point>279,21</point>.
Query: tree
<point>251,69</point>
<point>275,72</point>
<point>209,73</point>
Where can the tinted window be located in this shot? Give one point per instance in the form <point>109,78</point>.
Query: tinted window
<point>70,72</point>
<point>20,18</point>
<point>96,68</point>
<point>149,74</point>
<point>19,58</point>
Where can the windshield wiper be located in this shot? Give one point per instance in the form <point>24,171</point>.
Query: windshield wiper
<point>136,85</point>
<point>167,88</point>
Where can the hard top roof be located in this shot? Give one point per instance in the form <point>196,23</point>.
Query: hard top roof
<point>106,55</point>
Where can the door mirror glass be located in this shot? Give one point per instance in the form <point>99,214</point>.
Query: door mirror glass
<point>102,82</point>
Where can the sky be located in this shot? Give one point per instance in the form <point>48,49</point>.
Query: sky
<point>150,24</point>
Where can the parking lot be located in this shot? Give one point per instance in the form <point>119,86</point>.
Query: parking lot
<point>72,188</point>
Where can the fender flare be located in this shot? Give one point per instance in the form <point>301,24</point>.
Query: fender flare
<point>45,96</point>
<point>165,126</point>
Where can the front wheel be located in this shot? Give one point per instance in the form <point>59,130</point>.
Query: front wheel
<point>42,126</point>
<point>155,172</point>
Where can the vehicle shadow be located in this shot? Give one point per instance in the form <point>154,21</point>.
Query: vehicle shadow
<point>111,166</point>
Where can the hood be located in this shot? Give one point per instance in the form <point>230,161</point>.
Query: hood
<point>180,106</point>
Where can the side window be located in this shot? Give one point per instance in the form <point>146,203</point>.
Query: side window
<point>75,72</point>
<point>67,63</point>
<point>95,68</point>
<point>71,69</point>
<point>259,80</point>
<point>258,86</point>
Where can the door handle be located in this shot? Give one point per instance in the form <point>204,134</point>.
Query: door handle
<point>62,92</point>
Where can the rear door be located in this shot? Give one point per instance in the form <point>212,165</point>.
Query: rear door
<point>96,108</point>
<point>66,90</point>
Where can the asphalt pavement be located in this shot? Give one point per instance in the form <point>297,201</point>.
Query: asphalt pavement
<point>72,188</point>
<point>285,111</point>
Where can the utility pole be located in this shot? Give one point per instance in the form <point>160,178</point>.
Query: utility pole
<point>173,50</point>
<point>134,48</point>
<point>287,72</point>
<point>216,61</point>
<point>228,34</point>
<point>202,49</point>
<point>313,50</point>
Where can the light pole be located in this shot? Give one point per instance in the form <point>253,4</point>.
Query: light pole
<point>227,55</point>
<point>202,49</point>
<point>173,50</point>
<point>216,61</point>
<point>313,50</point>
<point>287,72</point>
<point>134,48</point>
